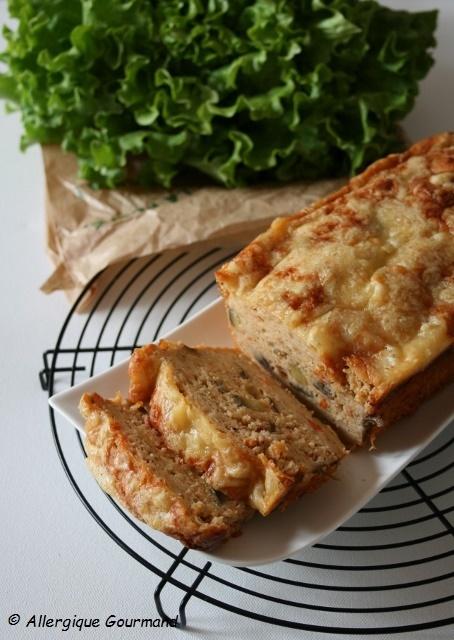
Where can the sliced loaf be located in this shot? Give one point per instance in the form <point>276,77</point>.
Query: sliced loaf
<point>250,437</point>
<point>131,463</point>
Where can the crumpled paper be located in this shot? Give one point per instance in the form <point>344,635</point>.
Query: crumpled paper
<point>88,229</point>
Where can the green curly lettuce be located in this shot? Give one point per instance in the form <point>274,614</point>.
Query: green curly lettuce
<point>239,91</point>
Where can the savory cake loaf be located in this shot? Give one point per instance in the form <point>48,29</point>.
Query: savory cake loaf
<point>233,422</point>
<point>351,301</point>
<point>130,462</point>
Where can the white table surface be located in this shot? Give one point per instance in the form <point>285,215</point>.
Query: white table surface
<point>55,559</point>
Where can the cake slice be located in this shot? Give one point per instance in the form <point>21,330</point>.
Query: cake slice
<point>130,462</point>
<point>351,301</point>
<point>249,436</point>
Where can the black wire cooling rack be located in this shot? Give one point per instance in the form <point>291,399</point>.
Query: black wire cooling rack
<point>389,570</point>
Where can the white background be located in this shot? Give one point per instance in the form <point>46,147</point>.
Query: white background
<point>54,558</point>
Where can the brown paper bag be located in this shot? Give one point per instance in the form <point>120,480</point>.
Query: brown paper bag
<point>87,229</point>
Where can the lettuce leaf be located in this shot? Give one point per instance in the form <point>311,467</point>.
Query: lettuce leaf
<point>239,91</point>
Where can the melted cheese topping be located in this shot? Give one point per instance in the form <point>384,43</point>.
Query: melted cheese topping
<point>366,279</point>
<point>191,433</point>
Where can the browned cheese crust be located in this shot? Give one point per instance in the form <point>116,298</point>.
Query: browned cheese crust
<point>351,301</point>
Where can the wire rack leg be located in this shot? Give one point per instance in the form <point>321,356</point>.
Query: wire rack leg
<point>185,600</point>
<point>162,584</point>
<point>181,623</point>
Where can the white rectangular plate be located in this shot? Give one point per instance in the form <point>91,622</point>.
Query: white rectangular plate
<point>359,478</point>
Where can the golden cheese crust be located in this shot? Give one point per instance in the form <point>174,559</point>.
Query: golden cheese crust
<point>365,277</point>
